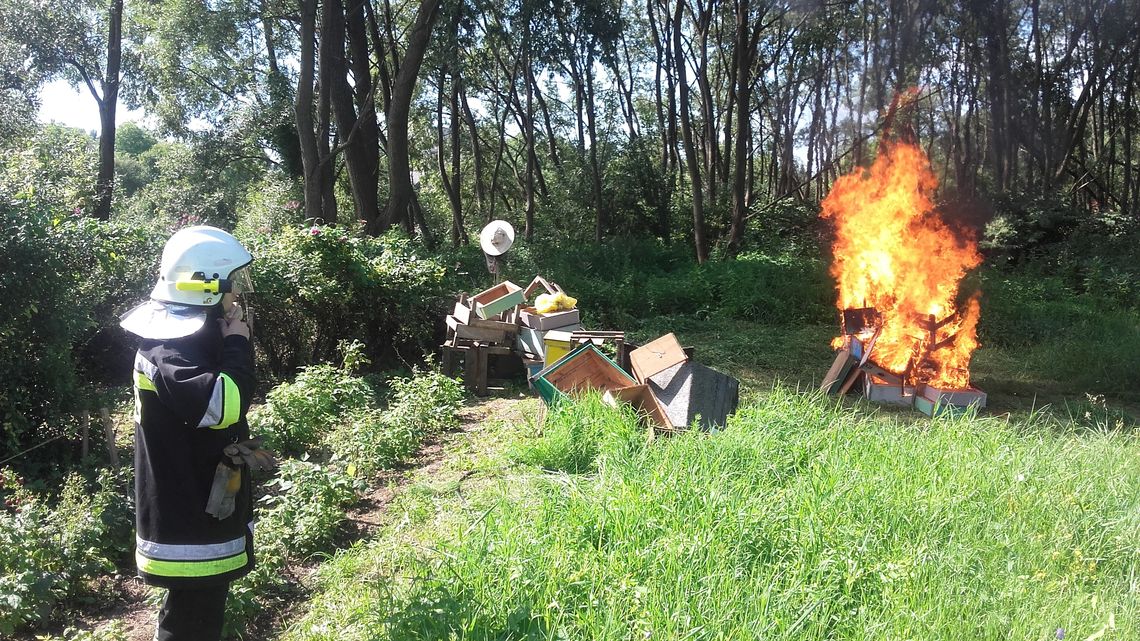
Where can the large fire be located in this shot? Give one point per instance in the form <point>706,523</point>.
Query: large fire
<point>895,254</point>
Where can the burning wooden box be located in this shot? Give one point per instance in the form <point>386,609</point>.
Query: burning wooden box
<point>924,383</point>
<point>898,267</point>
<point>934,401</point>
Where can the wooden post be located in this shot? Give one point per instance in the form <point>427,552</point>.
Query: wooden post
<point>84,425</point>
<point>475,370</point>
<point>109,430</point>
<point>448,361</point>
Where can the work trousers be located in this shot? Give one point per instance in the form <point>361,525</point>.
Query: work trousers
<point>192,614</point>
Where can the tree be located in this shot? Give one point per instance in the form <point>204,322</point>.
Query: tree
<point>402,202</point>
<point>82,42</point>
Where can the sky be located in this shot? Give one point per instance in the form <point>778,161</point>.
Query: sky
<point>76,107</point>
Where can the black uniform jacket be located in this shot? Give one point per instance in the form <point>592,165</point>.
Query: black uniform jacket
<point>191,396</point>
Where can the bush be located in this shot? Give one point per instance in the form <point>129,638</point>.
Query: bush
<point>304,508</point>
<point>321,285</point>
<point>297,415</point>
<point>302,514</point>
<point>428,399</point>
<point>64,279</point>
<point>421,406</point>
<point>47,554</point>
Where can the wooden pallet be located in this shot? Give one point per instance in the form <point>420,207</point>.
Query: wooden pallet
<point>475,360</point>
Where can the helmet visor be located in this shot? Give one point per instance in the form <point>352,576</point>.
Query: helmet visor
<point>241,282</point>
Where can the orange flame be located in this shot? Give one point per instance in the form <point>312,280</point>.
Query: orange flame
<point>894,253</point>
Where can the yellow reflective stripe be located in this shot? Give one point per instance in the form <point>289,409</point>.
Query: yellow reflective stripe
<point>190,568</point>
<point>231,403</point>
<point>142,382</point>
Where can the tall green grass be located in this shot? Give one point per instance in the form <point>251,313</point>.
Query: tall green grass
<point>802,520</point>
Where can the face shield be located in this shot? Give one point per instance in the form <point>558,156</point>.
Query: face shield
<point>241,282</point>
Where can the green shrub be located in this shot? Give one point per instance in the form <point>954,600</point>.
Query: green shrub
<point>305,507</point>
<point>48,553</point>
<point>428,399</point>
<point>299,517</point>
<point>64,279</point>
<point>321,285</point>
<point>421,406</point>
<point>297,415</point>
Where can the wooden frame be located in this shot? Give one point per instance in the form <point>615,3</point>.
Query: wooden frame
<point>498,299</point>
<point>584,368</point>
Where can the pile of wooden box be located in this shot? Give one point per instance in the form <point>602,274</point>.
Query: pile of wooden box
<point>669,391</point>
<point>854,370</point>
<point>495,334</point>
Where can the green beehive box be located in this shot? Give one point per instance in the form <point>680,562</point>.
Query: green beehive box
<point>498,299</point>
<point>583,369</point>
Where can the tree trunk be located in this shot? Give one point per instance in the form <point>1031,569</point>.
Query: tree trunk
<point>595,171</point>
<point>401,194</point>
<point>105,183</point>
<point>450,183</point>
<point>303,109</point>
<point>687,136</point>
<point>325,74</point>
<point>476,150</point>
<point>528,132</point>
<point>743,60</point>
<point>363,151</point>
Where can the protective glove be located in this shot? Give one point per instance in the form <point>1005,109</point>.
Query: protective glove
<point>227,476</point>
<point>251,453</point>
<point>223,491</point>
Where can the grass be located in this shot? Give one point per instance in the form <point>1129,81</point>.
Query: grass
<point>805,519</point>
<point>808,517</point>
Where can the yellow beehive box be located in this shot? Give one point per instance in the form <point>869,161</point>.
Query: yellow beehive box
<point>558,344</point>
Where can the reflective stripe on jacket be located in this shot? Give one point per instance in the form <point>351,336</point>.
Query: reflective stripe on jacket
<point>191,396</point>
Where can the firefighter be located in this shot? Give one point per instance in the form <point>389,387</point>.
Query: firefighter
<point>193,379</point>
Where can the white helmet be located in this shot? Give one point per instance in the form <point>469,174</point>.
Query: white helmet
<point>199,265</point>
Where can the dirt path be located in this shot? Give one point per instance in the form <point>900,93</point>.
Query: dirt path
<point>134,605</point>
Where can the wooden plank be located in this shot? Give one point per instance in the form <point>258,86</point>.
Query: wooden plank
<point>497,299</point>
<point>502,326</point>
<point>539,281</point>
<point>529,317</point>
<point>475,371</point>
<point>447,360</point>
<point>586,335</point>
<point>874,369</point>
<point>849,382</point>
<point>469,332</point>
<point>837,373</point>
<point>656,356</point>
<point>643,400</point>
<point>461,311</point>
